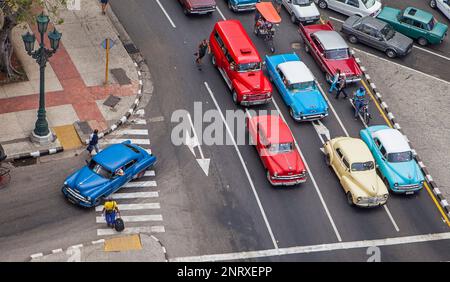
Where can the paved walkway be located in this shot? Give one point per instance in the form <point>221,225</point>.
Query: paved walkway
<point>75,89</point>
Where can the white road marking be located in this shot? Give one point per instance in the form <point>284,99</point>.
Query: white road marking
<point>140,184</point>
<point>133,141</point>
<point>131,132</point>
<point>391,218</point>
<point>131,230</point>
<point>140,121</point>
<point>149,173</point>
<point>221,14</point>
<point>193,142</point>
<point>134,218</point>
<point>317,248</point>
<point>135,195</point>
<point>131,207</point>
<point>263,213</point>
<point>148,151</point>
<point>313,180</point>
<point>165,13</point>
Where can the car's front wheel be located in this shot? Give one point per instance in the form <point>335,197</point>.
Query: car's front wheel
<point>422,41</point>
<point>433,4</point>
<point>235,97</point>
<point>323,4</point>
<point>391,53</point>
<point>350,198</point>
<point>306,48</point>
<point>292,113</point>
<point>353,39</point>
<point>327,159</point>
<point>213,60</point>
<point>293,18</point>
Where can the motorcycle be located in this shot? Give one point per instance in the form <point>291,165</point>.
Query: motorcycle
<point>265,21</point>
<point>363,111</point>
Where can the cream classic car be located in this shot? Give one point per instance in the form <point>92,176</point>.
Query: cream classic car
<point>354,165</point>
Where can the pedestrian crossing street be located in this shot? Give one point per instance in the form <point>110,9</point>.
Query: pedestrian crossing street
<point>138,199</point>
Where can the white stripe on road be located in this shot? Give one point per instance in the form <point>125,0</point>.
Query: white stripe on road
<point>140,121</point>
<point>311,176</point>
<point>131,132</point>
<point>221,14</point>
<point>131,207</point>
<point>140,184</point>
<point>133,218</point>
<point>165,13</point>
<point>317,248</point>
<point>131,230</point>
<point>135,195</point>
<point>149,173</point>
<point>266,221</point>
<point>391,218</point>
<point>133,141</point>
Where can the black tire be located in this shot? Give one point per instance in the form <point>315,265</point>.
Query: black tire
<point>293,18</point>
<point>186,12</point>
<point>322,4</point>
<point>291,113</point>
<point>306,48</point>
<point>353,39</point>
<point>391,53</point>
<point>350,199</point>
<point>213,60</point>
<point>386,182</point>
<point>422,41</point>
<point>367,118</point>
<point>234,94</point>
<point>328,159</point>
<point>99,200</point>
<point>433,4</point>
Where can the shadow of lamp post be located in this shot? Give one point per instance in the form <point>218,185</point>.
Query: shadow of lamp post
<point>41,133</point>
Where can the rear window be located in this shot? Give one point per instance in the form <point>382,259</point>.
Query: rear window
<point>337,54</point>
<point>133,148</point>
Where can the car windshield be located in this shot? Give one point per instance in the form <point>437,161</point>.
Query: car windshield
<point>98,169</point>
<point>400,157</point>
<point>249,67</point>
<point>302,86</point>
<point>337,54</point>
<point>302,2</point>
<point>387,31</point>
<point>280,148</point>
<point>369,3</point>
<point>431,24</point>
<point>363,166</point>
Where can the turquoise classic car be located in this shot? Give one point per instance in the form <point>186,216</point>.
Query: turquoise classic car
<point>297,87</point>
<point>394,158</point>
<point>242,5</point>
<point>415,23</point>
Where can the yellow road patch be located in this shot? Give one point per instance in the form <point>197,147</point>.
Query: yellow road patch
<point>67,136</point>
<point>127,243</point>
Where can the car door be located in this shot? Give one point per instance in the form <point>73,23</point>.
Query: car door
<point>337,162</point>
<point>364,34</point>
<point>337,5</point>
<point>318,52</point>
<point>352,8</point>
<point>445,7</point>
<point>282,87</point>
<point>288,5</point>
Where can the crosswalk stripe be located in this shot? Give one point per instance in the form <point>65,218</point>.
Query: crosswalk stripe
<point>129,207</point>
<point>140,121</point>
<point>135,195</point>
<point>132,230</point>
<point>133,141</point>
<point>134,218</point>
<point>149,173</point>
<point>131,132</point>
<point>140,184</point>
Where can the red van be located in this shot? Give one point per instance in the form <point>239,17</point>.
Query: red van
<point>237,59</point>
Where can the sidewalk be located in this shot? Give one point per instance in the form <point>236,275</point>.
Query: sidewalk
<point>74,83</point>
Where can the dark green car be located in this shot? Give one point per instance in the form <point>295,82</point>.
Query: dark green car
<point>415,23</point>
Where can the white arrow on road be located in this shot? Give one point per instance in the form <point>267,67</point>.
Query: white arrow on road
<point>192,142</point>
<point>321,130</point>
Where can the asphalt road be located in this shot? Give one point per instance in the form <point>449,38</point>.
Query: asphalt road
<point>225,199</point>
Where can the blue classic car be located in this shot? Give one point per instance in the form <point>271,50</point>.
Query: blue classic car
<point>106,173</point>
<point>394,159</point>
<point>297,87</point>
<point>242,5</point>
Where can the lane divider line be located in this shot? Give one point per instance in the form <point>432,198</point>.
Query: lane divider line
<point>165,13</point>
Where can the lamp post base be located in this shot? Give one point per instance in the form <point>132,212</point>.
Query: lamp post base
<point>42,140</point>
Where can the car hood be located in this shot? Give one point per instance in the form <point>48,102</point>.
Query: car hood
<point>202,3</point>
<point>400,41</point>
<point>254,81</point>
<point>85,181</point>
<point>406,173</point>
<point>306,11</point>
<point>309,102</point>
<point>440,29</point>
<point>285,163</point>
<point>368,183</point>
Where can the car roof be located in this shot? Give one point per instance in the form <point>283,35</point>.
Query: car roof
<point>115,156</point>
<point>354,149</point>
<point>417,14</point>
<point>238,42</point>
<point>393,141</point>
<point>373,22</point>
<point>330,39</point>
<point>279,134</point>
<point>296,72</point>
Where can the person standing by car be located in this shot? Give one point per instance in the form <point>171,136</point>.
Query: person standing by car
<point>104,4</point>
<point>202,49</point>
<point>93,142</point>
<point>277,4</point>
<point>335,81</point>
<point>342,84</point>
<point>359,99</point>
<point>110,209</point>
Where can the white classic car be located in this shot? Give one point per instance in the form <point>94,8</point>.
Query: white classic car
<point>361,8</point>
<point>304,11</point>
<point>442,5</point>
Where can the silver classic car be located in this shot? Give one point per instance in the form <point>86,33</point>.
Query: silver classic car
<point>377,34</point>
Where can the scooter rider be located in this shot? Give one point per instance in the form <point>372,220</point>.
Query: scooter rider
<point>359,100</point>
<point>110,209</point>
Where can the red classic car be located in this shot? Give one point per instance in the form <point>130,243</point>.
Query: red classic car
<point>237,59</point>
<point>330,51</point>
<point>276,147</point>
<point>198,6</point>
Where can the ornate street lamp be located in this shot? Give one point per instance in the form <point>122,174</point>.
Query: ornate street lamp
<point>41,134</point>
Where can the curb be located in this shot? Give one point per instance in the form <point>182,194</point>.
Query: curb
<point>442,201</point>
<point>87,244</point>
<point>35,154</point>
